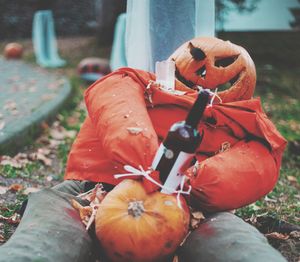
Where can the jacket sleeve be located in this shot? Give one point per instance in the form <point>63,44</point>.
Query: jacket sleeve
<point>118,112</point>
<point>234,178</point>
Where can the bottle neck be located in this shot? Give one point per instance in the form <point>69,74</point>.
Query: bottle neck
<point>197,110</point>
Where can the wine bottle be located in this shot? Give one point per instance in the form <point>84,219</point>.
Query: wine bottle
<point>176,152</point>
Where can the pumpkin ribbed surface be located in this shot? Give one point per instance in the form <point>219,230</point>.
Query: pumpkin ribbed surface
<point>135,226</point>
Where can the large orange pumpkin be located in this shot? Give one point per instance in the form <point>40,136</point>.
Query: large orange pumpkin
<point>135,226</point>
<point>213,63</point>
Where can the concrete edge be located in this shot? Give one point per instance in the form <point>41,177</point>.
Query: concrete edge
<point>25,133</point>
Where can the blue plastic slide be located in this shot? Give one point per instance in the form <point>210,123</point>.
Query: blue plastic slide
<point>118,56</point>
<point>44,40</point>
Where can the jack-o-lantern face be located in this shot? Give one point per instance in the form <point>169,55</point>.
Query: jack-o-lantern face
<point>213,63</point>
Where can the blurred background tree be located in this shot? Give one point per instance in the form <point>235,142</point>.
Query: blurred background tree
<point>223,7</point>
<point>296,13</point>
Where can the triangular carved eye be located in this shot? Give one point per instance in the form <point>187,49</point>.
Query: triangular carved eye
<point>225,61</point>
<point>196,52</point>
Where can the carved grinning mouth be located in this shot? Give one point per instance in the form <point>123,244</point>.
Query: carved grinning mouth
<point>179,77</point>
<point>202,72</point>
<point>230,83</point>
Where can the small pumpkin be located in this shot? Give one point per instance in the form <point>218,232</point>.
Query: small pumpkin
<point>13,51</point>
<point>135,226</point>
<point>93,68</point>
<point>212,63</point>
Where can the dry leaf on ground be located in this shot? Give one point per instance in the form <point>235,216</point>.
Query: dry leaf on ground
<point>18,161</point>
<point>41,155</point>
<point>196,218</point>
<point>88,213</point>
<point>292,179</point>
<point>3,190</point>
<point>295,234</point>
<point>2,239</point>
<point>2,125</point>
<point>85,212</point>
<point>14,219</point>
<point>16,187</point>
<point>277,235</point>
<point>10,105</point>
<point>29,190</point>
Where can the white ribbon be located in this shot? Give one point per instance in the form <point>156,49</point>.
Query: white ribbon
<point>141,172</point>
<point>214,94</point>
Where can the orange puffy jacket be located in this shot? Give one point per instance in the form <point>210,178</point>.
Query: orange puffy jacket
<point>238,160</point>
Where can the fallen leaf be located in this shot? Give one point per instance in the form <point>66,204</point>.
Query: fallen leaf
<point>47,161</point>
<point>194,223</point>
<point>15,187</point>
<point>2,238</point>
<point>72,120</point>
<point>41,155</point>
<point>57,134</point>
<point>270,199</point>
<point>295,234</point>
<point>10,105</point>
<point>3,190</point>
<point>70,133</point>
<point>14,219</point>
<point>198,215</point>
<point>44,125</point>
<point>29,190</point>
<point>292,179</point>
<point>2,125</point>
<point>4,208</point>
<point>277,235</point>
<point>88,213</point>
<point>134,130</point>
<point>18,161</point>
<point>85,212</point>
<point>53,144</point>
<point>96,194</point>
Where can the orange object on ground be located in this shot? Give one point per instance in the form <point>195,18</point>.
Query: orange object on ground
<point>13,51</point>
<point>239,157</point>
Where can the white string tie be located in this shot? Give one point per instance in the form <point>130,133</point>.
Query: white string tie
<point>214,94</point>
<point>141,172</point>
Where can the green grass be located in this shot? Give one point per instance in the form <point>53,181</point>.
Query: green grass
<point>9,171</point>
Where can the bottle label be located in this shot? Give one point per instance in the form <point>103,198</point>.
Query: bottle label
<point>162,152</point>
<point>180,162</point>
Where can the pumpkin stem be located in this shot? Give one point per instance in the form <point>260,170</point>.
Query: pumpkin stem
<point>136,208</point>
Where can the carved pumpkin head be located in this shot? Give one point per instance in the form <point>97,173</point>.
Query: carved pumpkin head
<point>213,63</point>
